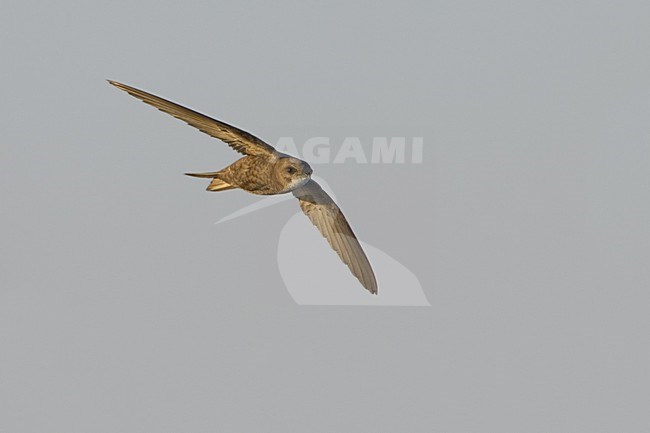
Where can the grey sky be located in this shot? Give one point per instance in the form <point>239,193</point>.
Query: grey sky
<point>526,223</point>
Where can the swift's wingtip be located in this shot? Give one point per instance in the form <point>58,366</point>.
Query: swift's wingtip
<point>117,84</point>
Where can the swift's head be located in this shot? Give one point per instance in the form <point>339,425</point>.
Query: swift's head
<point>292,172</point>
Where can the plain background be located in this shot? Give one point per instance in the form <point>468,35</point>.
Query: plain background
<point>123,308</point>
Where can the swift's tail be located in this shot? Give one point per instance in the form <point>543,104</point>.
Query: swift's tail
<point>216,184</point>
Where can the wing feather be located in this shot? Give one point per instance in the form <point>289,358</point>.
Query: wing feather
<point>330,221</point>
<point>241,141</point>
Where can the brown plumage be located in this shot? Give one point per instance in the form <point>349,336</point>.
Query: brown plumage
<point>263,170</point>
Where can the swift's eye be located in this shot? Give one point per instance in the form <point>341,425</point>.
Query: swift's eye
<point>291,170</point>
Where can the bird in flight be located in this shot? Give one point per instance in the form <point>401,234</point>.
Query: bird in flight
<point>265,171</point>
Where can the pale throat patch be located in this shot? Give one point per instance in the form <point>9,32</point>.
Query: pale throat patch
<point>296,183</point>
